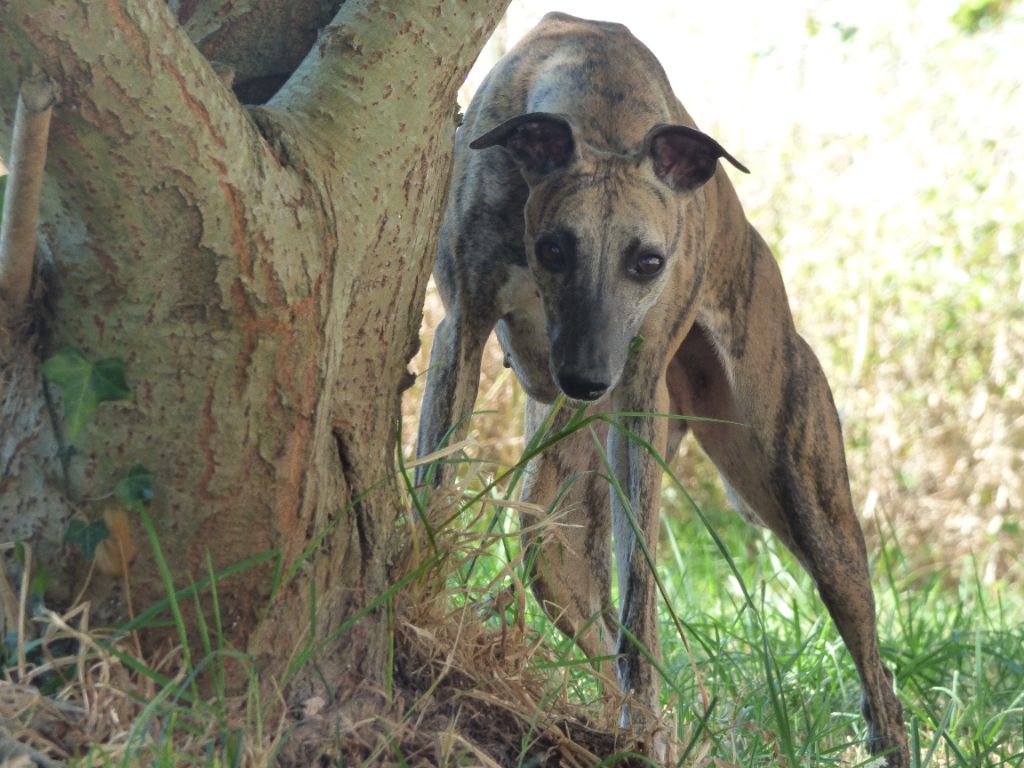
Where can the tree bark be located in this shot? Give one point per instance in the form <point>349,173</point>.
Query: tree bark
<point>262,276</point>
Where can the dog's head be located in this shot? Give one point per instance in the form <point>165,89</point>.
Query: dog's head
<point>604,236</point>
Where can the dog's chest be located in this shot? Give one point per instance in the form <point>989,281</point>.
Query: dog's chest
<point>522,331</point>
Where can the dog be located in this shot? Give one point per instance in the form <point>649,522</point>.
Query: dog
<point>589,224</point>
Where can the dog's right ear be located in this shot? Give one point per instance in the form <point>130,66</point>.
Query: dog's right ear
<point>539,142</point>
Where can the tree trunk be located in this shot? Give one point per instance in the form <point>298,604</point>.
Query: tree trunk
<point>261,273</point>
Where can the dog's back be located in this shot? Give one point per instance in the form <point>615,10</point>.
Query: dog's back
<point>598,72</point>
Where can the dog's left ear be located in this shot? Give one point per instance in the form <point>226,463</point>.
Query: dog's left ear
<point>539,142</point>
<point>685,158</point>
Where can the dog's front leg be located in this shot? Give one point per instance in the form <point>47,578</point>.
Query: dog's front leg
<point>570,564</point>
<point>452,382</point>
<point>635,519</point>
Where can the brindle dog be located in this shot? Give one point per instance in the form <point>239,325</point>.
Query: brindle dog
<point>585,211</point>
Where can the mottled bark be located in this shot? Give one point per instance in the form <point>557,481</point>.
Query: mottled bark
<point>262,276</point>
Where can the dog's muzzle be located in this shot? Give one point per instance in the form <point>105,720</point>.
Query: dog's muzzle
<point>583,384</point>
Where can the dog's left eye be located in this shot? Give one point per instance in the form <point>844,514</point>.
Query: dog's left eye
<point>648,264</point>
<point>552,256</point>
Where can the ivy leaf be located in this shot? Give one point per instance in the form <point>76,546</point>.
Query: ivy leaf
<point>136,487</point>
<point>86,536</point>
<point>85,385</point>
<point>40,580</point>
<point>40,576</point>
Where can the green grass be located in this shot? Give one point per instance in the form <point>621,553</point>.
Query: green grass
<point>751,664</point>
<point>782,687</point>
<point>955,648</point>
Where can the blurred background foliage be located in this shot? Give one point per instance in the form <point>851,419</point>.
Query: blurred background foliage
<point>886,144</point>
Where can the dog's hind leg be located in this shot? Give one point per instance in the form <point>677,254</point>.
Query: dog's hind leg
<point>785,461</point>
<point>570,561</point>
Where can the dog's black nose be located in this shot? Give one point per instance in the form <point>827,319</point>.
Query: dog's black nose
<point>582,385</point>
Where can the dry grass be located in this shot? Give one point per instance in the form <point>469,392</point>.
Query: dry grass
<point>97,697</point>
<point>467,687</point>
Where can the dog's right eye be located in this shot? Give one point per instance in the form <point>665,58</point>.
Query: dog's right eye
<point>552,256</point>
<point>648,265</point>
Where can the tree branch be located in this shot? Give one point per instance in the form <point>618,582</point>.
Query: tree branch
<point>263,41</point>
<point>374,59</point>
<point>21,200</point>
<point>134,92</point>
